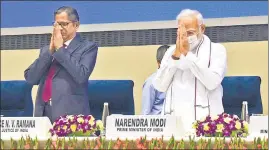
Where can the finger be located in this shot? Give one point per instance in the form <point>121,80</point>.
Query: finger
<point>181,26</point>
<point>55,24</point>
<point>55,27</point>
<point>182,33</point>
<point>59,27</point>
<point>53,32</point>
<point>52,35</point>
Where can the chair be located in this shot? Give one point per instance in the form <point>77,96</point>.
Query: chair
<point>237,89</point>
<point>16,99</point>
<point>118,94</point>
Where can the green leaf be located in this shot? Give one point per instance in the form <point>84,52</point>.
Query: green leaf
<point>178,146</point>
<point>209,144</point>
<point>219,134</point>
<point>234,134</point>
<point>92,144</point>
<point>175,145</point>
<point>153,143</point>
<point>126,144</point>
<point>258,140</point>
<point>110,144</point>
<point>80,133</point>
<point>170,143</point>
<point>2,144</point>
<point>63,143</point>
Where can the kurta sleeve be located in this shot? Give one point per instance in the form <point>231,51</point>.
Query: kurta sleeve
<point>166,71</point>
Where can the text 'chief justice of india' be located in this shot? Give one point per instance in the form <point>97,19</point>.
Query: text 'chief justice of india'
<point>191,72</point>
<point>62,69</point>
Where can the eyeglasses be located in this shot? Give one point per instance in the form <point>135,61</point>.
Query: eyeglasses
<point>62,24</point>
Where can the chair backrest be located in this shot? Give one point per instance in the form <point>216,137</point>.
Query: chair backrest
<point>16,99</point>
<point>237,89</point>
<point>117,93</point>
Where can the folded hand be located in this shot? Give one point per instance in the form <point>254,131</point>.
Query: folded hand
<point>57,36</point>
<point>182,44</point>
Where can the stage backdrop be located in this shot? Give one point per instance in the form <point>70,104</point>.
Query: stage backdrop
<point>138,62</point>
<point>40,13</point>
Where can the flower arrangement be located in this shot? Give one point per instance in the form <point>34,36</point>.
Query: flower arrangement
<point>140,143</point>
<point>221,125</point>
<point>76,125</point>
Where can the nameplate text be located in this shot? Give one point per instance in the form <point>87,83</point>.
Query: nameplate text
<point>24,126</point>
<point>141,125</point>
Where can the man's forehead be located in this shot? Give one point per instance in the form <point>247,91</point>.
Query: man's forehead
<point>62,16</point>
<point>61,20</point>
<point>189,22</point>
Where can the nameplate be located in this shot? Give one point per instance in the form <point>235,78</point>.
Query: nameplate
<point>258,125</point>
<point>24,126</point>
<point>140,125</point>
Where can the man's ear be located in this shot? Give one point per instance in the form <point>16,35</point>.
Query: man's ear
<point>202,28</point>
<point>77,24</point>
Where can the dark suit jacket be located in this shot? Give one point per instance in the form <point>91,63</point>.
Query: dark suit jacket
<point>69,84</point>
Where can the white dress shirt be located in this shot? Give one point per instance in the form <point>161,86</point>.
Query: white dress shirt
<point>67,42</point>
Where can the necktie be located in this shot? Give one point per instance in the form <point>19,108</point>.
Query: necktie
<point>48,83</point>
<point>46,95</point>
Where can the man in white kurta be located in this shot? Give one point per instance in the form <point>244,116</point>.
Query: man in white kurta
<point>191,72</point>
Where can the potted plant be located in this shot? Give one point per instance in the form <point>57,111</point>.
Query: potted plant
<point>76,125</point>
<point>222,125</point>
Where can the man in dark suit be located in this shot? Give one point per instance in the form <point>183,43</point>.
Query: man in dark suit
<point>62,69</point>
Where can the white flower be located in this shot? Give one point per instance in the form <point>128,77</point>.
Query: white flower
<point>70,116</point>
<point>237,125</point>
<point>235,117</point>
<point>215,117</point>
<point>227,120</point>
<point>80,120</point>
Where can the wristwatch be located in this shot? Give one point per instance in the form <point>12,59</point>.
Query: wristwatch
<point>174,57</point>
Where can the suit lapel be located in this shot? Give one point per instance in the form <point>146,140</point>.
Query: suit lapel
<point>74,44</point>
<point>57,70</point>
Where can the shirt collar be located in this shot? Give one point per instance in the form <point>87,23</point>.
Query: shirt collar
<point>68,42</point>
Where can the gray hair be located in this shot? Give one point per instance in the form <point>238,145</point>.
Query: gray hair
<point>189,12</point>
<point>160,52</point>
<point>71,12</point>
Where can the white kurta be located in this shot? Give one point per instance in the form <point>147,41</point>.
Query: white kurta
<point>190,81</point>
